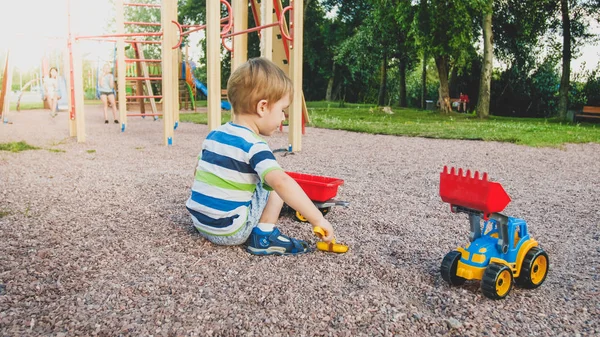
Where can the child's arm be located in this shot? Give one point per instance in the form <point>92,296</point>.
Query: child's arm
<point>293,195</point>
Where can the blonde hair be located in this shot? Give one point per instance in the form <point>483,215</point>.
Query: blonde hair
<point>254,81</point>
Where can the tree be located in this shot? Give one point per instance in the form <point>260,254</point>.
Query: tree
<point>483,101</point>
<point>446,36</point>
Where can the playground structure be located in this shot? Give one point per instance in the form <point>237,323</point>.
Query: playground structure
<point>503,252</point>
<point>278,43</point>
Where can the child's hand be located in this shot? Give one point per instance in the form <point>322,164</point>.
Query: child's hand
<point>327,233</point>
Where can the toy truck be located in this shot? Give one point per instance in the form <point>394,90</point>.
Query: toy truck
<point>321,190</point>
<point>501,252</point>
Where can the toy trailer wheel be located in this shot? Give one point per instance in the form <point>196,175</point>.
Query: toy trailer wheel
<point>448,269</point>
<point>534,269</point>
<point>300,217</point>
<point>324,210</point>
<point>497,281</point>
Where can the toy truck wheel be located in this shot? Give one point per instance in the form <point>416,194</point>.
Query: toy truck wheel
<point>324,210</point>
<point>497,281</point>
<point>300,217</point>
<point>534,269</point>
<point>448,269</point>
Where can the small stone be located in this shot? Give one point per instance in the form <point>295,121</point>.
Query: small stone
<point>453,323</point>
<point>417,316</point>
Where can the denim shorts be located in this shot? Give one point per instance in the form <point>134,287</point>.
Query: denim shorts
<point>257,206</point>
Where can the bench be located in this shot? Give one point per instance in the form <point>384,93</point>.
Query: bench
<point>591,112</point>
<point>223,94</point>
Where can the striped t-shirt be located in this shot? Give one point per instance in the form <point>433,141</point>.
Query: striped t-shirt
<point>233,161</point>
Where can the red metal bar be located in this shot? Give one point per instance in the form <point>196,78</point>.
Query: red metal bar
<point>119,35</point>
<point>143,96</point>
<point>132,4</point>
<point>144,115</point>
<point>141,23</point>
<point>199,27</point>
<point>250,30</point>
<point>143,60</point>
<point>180,34</point>
<point>282,20</point>
<point>143,41</point>
<point>230,12</point>
<point>136,78</point>
<point>286,46</point>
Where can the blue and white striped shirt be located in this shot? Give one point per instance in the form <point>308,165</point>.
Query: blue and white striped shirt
<point>233,160</point>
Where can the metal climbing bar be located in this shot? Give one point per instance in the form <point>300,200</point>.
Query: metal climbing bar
<point>134,4</point>
<point>144,96</point>
<point>138,78</point>
<point>141,23</point>
<point>143,60</point>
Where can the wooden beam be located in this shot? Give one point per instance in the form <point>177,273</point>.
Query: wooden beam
<point>213,62</point>
<point>121,67</point>
<point>297,26</point>
<point>266,35</point>
<point>169,56</point>
<point>6,87</point>
<point>240,42</point>
<point>78,83</point>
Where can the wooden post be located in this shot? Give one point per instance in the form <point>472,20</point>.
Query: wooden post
<point>240,42</point>
<point>121,66</point>
<point>169,71</point>
<point>78,85</point>
<point>69,85</point>
<point>266,35</point>
<point>175,66</point>
<point>213,62</point>
<point>6,88</point>
<point>297,27</point>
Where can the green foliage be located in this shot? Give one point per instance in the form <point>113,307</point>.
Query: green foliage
<point>411,122</point>
<point>417,123</point>
<point>4,213</point>
<point>91,151</point>
<point>17,146</point>
<point>56,150</point>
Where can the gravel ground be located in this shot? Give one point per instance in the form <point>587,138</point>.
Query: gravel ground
<point>95,239</point>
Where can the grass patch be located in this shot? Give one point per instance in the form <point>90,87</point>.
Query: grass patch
<point>17,146</point>
<point>91,151</point>
<point>538,132</point>
<point>56,150</point>
<point>139,147</point>
<point>27,105</point>
<point>4,213</point>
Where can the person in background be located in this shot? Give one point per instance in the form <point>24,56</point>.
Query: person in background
<point>107,93</point>
<point>464,101</point>
<point>51,94</point>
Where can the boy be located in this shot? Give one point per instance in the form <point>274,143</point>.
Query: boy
<point>239,188</point>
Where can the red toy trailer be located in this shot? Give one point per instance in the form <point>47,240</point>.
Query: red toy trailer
<point>320,189</point>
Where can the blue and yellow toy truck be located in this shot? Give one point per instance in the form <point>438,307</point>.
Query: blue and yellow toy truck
<point>501,252</point>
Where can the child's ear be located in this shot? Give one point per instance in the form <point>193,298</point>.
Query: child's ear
<point>261,107</point>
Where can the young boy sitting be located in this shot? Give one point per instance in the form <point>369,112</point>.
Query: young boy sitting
<point>239,188</point>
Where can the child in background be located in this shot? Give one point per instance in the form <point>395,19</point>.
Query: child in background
<point>239,188</point>
<point>106,88</point>
<point>51,90</point>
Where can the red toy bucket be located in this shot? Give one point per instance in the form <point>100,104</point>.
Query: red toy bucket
<point>318,188</point>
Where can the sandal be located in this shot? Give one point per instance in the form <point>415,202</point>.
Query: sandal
<point>274,243</point>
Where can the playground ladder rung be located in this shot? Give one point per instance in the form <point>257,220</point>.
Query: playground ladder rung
<point>143,78</point>
<point>144,115</point>
<point>142,23</point>
<point>143,41</point>
<point>135,4</point>
<point>144,96</point>
<point>143,60</point>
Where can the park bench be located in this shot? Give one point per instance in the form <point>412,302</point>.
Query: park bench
<point>591,112</point>
<point>223,94</point>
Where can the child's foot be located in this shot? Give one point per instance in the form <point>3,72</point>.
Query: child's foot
<point>274,243</point>
<point>116,121</point>
<point>106,121</point>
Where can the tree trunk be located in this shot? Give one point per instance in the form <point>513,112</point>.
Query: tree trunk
<point>424,81</point>
<point>563,94</point>
<point>382,85</point>
<point>402,71</point>
<point>485,81</point>
<point>444,92</point>
<point>328,94</point>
